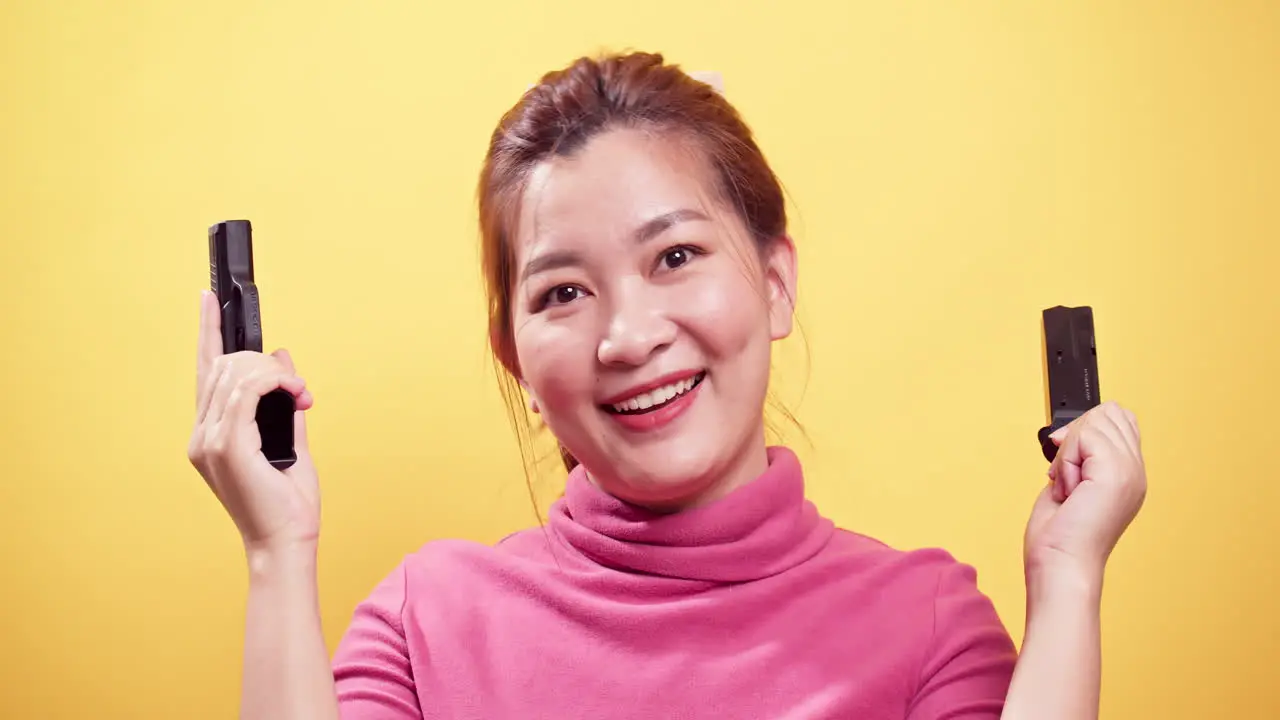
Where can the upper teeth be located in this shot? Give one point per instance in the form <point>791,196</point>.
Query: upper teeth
<point>655,397</point>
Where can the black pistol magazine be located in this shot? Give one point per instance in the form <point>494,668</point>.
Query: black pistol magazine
<point>1071,365</point>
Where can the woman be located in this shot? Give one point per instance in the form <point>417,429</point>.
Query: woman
<point>639,269</point>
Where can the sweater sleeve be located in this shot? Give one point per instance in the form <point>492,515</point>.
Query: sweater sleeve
<point>371,670</point>
<point>969,663</point>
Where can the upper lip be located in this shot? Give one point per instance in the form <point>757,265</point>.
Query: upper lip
<point>654,384</point>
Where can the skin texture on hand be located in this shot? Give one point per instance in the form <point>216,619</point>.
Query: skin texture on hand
<point>286,664</point>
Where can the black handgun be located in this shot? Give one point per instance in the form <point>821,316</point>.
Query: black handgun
<point>1071,364</point>
<point>231,275</point>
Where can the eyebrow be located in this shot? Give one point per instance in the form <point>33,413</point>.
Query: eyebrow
<point>651,228</point>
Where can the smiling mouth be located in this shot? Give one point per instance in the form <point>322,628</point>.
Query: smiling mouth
<point>656,399</point>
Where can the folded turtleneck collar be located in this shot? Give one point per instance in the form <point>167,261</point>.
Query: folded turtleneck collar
<point>759,529</point>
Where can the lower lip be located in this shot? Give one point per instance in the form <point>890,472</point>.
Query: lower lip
<point>654,419</point>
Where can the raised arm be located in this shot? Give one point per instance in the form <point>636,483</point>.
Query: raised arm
<point>1059,670</point>
<point>971,671</point>
<point>1097,486</point>
<point>287,675</point>
<point>286,666</point>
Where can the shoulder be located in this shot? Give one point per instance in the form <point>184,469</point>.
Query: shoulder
<point>440,569</point>
<point>928,570</point>
<point>939,590</point>
<point>962,652</point>
<point>531,545</point>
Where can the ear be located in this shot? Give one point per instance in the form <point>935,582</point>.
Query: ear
<point>533,401</point>
<point>780,279</point>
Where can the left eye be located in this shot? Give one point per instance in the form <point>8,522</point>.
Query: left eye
<point>675,257</point>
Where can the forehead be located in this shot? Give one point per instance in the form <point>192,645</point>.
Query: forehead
<point>616,181</point>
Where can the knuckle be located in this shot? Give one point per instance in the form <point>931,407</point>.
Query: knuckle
<point>1094,435</point>
<point>239,394</point>
<point>257,364</point>
<point>219,443</point>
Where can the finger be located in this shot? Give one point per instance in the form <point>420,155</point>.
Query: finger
<point>286,359</point>
<point>236,369</point>
<point>1055,489</point>
<point>221,367</point>
<point>303,400</point>
<point>220,390</point>
<point>1132,421</point>
<point>1105,426</point>
<point>1057,436</point>
<point>209,342</point>
<point>1057,475</point>
<point>242,403</point>
<point>1045,503</point>
<point>1068,461</point>
<point>1127,426</point>
<point>300,442</point>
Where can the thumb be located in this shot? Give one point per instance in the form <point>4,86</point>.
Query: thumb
<point>1057,436</point>
<point>1044,507</point>
<point>300,432</point>
<point>1067,468</point>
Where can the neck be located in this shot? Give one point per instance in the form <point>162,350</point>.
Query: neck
<point>743,466</point>
<point>758,529</point>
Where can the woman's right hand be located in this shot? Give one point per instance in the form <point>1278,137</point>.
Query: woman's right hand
<point>273,509</point>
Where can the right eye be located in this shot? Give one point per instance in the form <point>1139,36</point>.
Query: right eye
<point>562,295</point>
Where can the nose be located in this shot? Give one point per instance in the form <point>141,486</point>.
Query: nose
<point>637,329</point>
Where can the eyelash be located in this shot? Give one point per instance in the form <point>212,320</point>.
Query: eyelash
<point>692,252</point>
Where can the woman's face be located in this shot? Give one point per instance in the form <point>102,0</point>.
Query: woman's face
<point>643,317</point>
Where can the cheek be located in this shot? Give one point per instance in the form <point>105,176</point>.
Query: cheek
<point>557,362</point>
<point>725,310</point>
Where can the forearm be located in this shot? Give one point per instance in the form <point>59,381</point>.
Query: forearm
<point>1058,675</point>
<point>287,675</point>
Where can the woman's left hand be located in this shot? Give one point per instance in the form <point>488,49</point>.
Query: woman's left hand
<point>1098,482</point>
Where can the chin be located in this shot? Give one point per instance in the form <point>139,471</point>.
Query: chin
<point>663,480</point>
<point>685,451</point>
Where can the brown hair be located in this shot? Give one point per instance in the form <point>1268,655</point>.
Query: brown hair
<point>558,116</point>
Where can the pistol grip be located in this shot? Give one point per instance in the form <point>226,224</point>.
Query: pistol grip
<point>275,427</point>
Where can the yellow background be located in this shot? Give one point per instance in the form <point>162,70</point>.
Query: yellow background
<point>954,168</point>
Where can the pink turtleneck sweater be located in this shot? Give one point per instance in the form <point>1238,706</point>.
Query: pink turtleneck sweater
<point>753,606</point>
